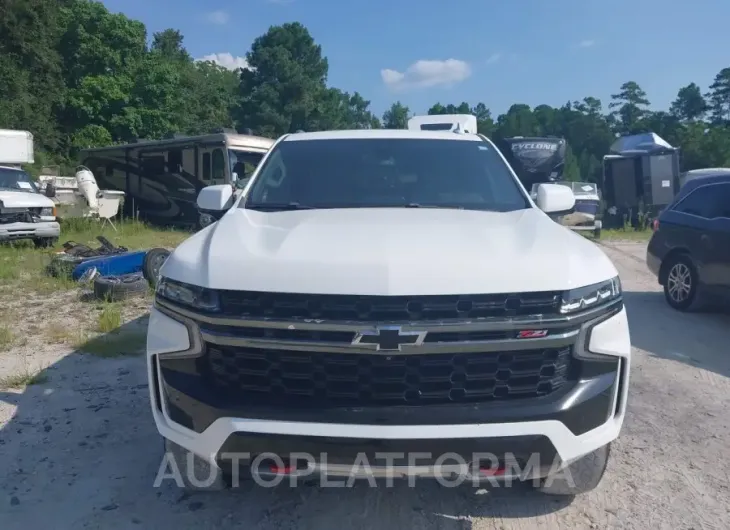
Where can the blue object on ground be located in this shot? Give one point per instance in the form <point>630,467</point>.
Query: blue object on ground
<point>113,265</point>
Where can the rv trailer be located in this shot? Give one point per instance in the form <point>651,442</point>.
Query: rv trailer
<point>162,178</point>
<point>464,123</point>
<point>535,160</point>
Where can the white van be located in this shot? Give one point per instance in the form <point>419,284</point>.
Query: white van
<point>25,213</point>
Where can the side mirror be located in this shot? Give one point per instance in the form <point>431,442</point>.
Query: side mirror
<point>218,198</point>
<point>50,190</point>
<point>555,198</point>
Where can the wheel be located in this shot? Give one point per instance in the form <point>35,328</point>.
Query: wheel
<point>45,242</point>
<point>597,233</point>
<point>580,476</point>
<point>115,288</point>
<point>152,264</point>
<point>680,282</point>
<point>191,472</point>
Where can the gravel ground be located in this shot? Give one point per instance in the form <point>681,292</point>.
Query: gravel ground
<point>81,451</point>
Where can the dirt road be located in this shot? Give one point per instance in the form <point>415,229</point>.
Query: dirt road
<point>80,451</point>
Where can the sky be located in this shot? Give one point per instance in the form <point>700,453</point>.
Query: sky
<point>495,52</point>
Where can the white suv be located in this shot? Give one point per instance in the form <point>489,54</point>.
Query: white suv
<point>388,303</point>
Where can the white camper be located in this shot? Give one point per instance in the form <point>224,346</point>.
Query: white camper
<point>463,123</point>
<point>16,147</point>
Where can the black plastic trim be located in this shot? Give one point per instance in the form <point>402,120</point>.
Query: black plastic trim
<point>581,405</point>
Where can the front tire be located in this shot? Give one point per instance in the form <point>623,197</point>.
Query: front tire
<point>681,282</point>
<point>579,477</point>
<point>45,242</point>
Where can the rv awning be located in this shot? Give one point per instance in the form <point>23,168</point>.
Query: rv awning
<point>647,142</point>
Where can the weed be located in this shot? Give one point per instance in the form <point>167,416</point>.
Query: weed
<point>6,338</point>
<point>22,379</point>
<point>110,318</point>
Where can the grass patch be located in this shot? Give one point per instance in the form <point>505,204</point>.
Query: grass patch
<point>21,262</point>
<point>110,318</point>
<point>115,344</point>
<point>6,338</point>
<point>627,234</point>
<point>23,379</point>
<point>58,334</point>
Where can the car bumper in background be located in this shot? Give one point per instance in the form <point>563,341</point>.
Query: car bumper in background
<point>44,229</point>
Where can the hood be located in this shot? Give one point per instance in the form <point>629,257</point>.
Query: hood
<point>24,199</point>
<point>388,252</point>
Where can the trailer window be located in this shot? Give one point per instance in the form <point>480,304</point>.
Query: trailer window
<point>219,165</point>
<point>153,165</point>
<point>174,160</point>
<point>206,166</point>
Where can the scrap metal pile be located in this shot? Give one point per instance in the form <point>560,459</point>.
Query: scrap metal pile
<point>117,273</point>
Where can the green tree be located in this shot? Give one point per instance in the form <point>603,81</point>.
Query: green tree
<point>718,97</point>
<point>281,92</point>
<point>630,106</point>
<point>396,117</point>
<point>690,105</point>
<point>31,81</point>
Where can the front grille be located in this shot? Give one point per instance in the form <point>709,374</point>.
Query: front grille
<point>316,379</point>
<point>386,308</point>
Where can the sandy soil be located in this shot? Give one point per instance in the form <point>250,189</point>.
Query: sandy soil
<point>81,451</point>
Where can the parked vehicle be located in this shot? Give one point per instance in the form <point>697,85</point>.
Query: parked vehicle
<point>162,178</point>
<point>689,251</point>
<point>388,292</point>
<point>24,212</point>
<point>535,160</point>
<point>587,210</point>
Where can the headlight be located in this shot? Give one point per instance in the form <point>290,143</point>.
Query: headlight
<point>591,296</point>
<point>188,295</point>
<point>48,212</point>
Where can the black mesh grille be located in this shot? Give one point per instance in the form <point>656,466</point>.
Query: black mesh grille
<point>386,308</point>
<point>329,379</point>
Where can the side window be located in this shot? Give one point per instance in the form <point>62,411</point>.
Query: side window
<point>174,160</point>
<point>721,201</point>
<point>206,166</point>
<point>699,203</point>
<point>153,165</point>
<point>219,165</point>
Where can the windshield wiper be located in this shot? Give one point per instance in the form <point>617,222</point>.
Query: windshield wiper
<point>278,207</point>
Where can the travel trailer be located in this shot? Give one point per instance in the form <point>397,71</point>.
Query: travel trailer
<point>161,178</point>
<point>464,123</point>
<point>535,160</point>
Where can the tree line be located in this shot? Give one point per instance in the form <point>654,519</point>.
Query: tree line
<point>77,75</point>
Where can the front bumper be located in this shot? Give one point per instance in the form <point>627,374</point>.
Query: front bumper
<point>581,416</point>
<point>42,229</point>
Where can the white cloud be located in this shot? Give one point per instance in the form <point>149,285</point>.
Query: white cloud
<point>494,58</point>
<point>226,60</point>
<point>586,43</point>
<point>218,17</point>
<point>426,73</point>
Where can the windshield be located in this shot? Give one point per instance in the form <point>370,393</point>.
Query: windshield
<point>243,164</point>
<point>380,172</point>
<point>16,180</point>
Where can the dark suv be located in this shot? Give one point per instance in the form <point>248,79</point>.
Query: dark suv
<point>690,249</point>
